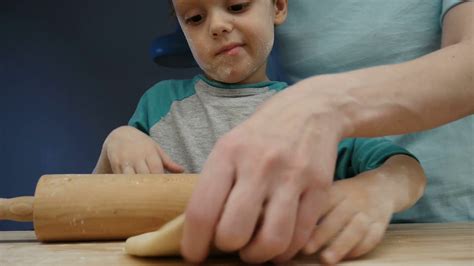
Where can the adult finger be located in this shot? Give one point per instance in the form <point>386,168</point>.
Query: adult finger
<point>312,206</point>
<point>205,205</point>
<point>330,225</point>
<point>352,234</point>
<point>372,238</point>
<point>240,214</point>
<point>276,233</point>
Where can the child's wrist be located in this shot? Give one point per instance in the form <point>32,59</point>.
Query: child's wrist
<point>380,188</point>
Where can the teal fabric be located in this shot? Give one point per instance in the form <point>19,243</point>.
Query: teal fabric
<point>357,155</point>
<point>156,102</point>
<point>272,85</point>
<point>331,36</point>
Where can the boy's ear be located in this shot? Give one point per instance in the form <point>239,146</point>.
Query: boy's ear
<point>281,11</point>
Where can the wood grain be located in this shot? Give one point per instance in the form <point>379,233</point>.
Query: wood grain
<point>18,209</point>
<point>107,207</point>
<point>404,244</point>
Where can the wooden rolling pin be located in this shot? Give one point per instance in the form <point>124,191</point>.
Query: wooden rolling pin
<point>100,207</point>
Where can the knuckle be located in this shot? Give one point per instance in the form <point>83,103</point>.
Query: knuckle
<point>272,156</point>
<point>269,160</point>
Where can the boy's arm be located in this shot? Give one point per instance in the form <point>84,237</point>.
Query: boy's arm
<point>398,171</point>
<point>376,179</point>
<point>401,180</point>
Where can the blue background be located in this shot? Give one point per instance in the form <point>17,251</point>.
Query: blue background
<point>70,72</point>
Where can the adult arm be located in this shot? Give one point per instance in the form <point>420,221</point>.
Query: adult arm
<point>279,162</point>
<point>412,96</point>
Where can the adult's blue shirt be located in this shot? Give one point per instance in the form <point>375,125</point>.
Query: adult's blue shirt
<point>330,36</point>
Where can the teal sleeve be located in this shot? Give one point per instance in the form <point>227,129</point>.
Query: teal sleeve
<point>140,118</point>
<point>357,155</point>
<point>157,101</point>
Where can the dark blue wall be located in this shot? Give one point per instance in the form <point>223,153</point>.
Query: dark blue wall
<point>70,72</point>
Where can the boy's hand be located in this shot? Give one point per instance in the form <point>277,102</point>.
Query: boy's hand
<point>360,208</point>
<point>354,221</point>
<point>129,151</point>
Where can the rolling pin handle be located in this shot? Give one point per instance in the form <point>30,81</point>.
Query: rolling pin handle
<point>17,209</point>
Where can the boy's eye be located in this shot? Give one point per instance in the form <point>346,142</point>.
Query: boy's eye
<point>237,8</point>
<point>194,19</point>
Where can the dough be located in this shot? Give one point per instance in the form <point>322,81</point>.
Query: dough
<point>163,242</point>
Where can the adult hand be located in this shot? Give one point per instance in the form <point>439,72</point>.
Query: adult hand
<point>129,151</point>
<point>260,188</point>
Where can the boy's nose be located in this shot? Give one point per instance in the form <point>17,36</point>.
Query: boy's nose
<point>220,24</point>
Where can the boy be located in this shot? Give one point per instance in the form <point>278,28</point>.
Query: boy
<point>177,123</point>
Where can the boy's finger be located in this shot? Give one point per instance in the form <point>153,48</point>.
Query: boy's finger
<point>127,169</point>
<point>330,225</point>
<point>372,238</point>
<point>276,232</point>
<point>352,234</point>
<point>141,167</point>
<point>167,162</point>
<point>204,208</point>
<point>154,164</point>
<point>240,215</point>
<point>114,164</point>
<point>311,208</point>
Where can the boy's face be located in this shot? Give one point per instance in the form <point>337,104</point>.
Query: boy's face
<point>231,39</point>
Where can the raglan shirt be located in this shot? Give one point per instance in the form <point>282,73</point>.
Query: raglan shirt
<point>186,117</point>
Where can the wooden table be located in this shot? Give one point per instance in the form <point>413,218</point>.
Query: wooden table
<point>404,244</point>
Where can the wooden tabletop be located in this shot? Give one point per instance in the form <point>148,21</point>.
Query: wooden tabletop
<point>404,244</point>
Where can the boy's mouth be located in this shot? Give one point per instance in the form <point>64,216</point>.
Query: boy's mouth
<point>230,49</point>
